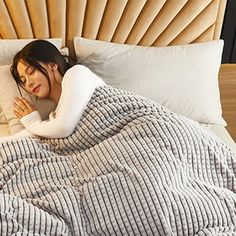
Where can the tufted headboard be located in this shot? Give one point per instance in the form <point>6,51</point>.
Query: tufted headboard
<point>139,22</point>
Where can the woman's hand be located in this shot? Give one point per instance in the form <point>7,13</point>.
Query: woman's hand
<point>22,107</point>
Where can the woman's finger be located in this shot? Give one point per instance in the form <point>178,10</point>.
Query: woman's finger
<point>19,102</point>
<point>18,109</point>
<point>22,107</point>
<point>28,104</point>
<point>17,106</point>
<point>25,105</point>
<point>18,114</point>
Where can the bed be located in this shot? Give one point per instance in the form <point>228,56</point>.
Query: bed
<point>177,40</point>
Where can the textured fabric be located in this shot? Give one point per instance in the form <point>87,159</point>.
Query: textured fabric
<point>131,167</point>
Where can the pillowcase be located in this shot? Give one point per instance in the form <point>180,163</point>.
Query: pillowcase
<point>183,78</point>
<point>9,47</point>
<point>9,90</point>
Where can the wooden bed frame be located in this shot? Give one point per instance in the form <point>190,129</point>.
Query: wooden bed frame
<point>227,81</point>
<point>142,22</point>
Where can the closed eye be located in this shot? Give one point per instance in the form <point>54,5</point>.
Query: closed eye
<point>22,80</point>
<point>31,71</point>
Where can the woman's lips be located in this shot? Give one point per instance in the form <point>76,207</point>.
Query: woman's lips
<point>36,89</point>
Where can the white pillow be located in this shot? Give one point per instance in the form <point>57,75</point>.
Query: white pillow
<point>182,78</point>
<point>9,47</point>
<point>9,90</point>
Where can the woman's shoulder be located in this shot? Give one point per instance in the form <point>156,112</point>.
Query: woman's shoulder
<point>79,73</point>
<point>78,68</point>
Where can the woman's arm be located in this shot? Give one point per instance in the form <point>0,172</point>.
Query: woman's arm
<point>78,86</point>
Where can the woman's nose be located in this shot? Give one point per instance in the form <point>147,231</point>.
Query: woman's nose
<point>30,83</point>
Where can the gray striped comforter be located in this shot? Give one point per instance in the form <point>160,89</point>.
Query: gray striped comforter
<point>130,168</point>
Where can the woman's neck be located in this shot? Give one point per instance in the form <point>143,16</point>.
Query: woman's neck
<point>56,93</point>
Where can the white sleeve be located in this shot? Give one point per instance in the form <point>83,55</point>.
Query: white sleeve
<point>78,86</point>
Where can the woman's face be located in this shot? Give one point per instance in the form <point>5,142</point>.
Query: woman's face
<point>33,80</point>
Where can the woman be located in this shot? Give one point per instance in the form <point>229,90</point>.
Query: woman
<point>42,71</point>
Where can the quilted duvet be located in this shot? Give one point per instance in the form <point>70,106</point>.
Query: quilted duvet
<point>131,167</point>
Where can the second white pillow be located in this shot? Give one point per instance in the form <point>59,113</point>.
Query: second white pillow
<point>182,78</point>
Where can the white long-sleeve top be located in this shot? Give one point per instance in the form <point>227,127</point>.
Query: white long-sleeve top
<point>78,85</point>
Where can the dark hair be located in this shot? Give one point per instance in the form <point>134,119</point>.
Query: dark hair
<point>39,51</point>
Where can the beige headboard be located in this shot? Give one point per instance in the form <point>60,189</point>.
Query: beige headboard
<point>142,22</point>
